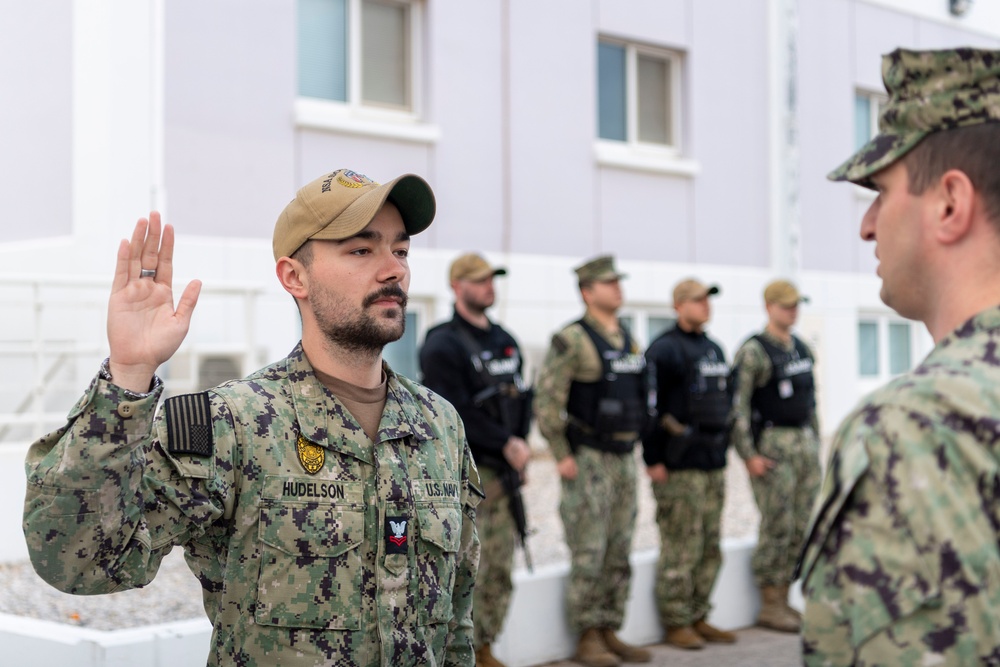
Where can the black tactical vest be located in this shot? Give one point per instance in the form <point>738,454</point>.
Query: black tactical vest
<point>614,404</point>
<point>789,397</point>
<point>502,391</point>
<point>708,394</point>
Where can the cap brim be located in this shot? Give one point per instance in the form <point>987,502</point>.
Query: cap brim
<point>409,193</point>
<point>875,156</point>
<point>484,274</point>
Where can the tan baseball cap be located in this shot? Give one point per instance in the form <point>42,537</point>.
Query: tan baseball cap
<point>783,293</point>
<point>691,290</point>
<point>471,266</point>
<point>340,204</point>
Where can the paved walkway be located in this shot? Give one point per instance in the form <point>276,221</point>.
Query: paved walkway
<point>755,648</point>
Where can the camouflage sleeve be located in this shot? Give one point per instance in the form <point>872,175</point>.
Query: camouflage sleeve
<point>753,370</point>
<point>461,651</point>
<point>900,560</point>
<point>552,394</point>
<point>105,502</point>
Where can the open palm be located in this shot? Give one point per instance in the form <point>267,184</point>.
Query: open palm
<point>144,328</point>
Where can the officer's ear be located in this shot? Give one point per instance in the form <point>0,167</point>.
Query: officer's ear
<point>293,276</point>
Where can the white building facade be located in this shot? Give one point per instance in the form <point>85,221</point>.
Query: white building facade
<point>687,137</point>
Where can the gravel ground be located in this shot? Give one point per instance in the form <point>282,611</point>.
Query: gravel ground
<point>176,595</point>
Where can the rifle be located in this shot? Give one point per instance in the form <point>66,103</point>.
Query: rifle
<point>510,479</point>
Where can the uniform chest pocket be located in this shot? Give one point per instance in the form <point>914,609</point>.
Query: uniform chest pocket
<point>310,574</point>
<point>440,533</point>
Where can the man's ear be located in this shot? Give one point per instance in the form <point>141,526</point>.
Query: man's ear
<point>293,277</point>
<point>955,204</point>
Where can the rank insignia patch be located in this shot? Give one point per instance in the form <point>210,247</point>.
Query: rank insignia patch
<point>395,534</point>
<point>311,456</point>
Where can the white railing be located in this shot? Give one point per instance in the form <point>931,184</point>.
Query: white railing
<point>52,339</point>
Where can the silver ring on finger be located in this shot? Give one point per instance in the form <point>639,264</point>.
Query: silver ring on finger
<point>147,273</point>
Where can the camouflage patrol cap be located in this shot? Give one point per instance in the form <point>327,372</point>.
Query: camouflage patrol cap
<point>692,290</point>
<point>928,91</point>
<point>340,204</point>
<point>600,269</point>
<point>783,293</point>
<point>471,266</point>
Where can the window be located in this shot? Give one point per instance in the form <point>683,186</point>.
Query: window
<point>401,355</point>
<point>638,94</point>
<point>880,333</point>
<point>646,326</point>
<point>867,107</point>
<point>358,52</point>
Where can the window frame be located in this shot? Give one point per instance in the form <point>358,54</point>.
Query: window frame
<point>883,323</point>
<point>633,153</point>
<point>632,52</point>
<point>639,316</point>
<point>354,116</point>
<point>875,102</point>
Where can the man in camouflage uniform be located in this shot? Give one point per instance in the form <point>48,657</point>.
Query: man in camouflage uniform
<point>325,503</point>
<point>902,560</point>
<point>775,432</point>
<point>475,364</point>
<point>590,405</point>
<point>685,452</point>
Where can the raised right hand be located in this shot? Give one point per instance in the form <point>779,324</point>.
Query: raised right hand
<point>144,329</point>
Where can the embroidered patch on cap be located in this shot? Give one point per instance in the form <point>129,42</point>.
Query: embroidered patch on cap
<point>189,424</point>
<point>395,534</point>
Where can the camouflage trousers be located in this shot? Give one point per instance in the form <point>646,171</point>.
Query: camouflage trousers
<point>688,514</point>
<point>785,497</point>
<point>598,511</point>
<point>497,537</point>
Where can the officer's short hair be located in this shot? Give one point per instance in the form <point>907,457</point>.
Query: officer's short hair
<point>973,150</point>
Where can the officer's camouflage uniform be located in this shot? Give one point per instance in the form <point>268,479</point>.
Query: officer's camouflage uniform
<point>598,508</point>
<point>902,562</point>
<point>785,495</point>
<point>313,545</point>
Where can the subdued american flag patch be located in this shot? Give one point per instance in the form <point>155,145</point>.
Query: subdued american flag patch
<point>189,424</point>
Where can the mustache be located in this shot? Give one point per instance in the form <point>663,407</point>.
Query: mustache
<point>389,291</point>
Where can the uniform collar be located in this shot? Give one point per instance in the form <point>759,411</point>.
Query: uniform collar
<point>323,419</point>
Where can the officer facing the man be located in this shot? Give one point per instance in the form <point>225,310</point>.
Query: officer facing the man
<point>775,432</point>
<point>590,405</point>
<point>325,503</point>
<point>902,559</point>
<point>475,364</point>
<point>685,452</point>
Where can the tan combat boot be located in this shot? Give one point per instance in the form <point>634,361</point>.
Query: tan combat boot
<point>772,611</point>
<point>484,657</point>
<point>626,652</point>
<point>592,652</point>
<point>710,633</point>
<point>684,637</point>
<point>789,608</point>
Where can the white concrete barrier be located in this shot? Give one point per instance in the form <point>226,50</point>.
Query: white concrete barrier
<point>535,630</point>
<point>12,487</point>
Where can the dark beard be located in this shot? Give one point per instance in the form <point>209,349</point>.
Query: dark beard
<point>364,336</point>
